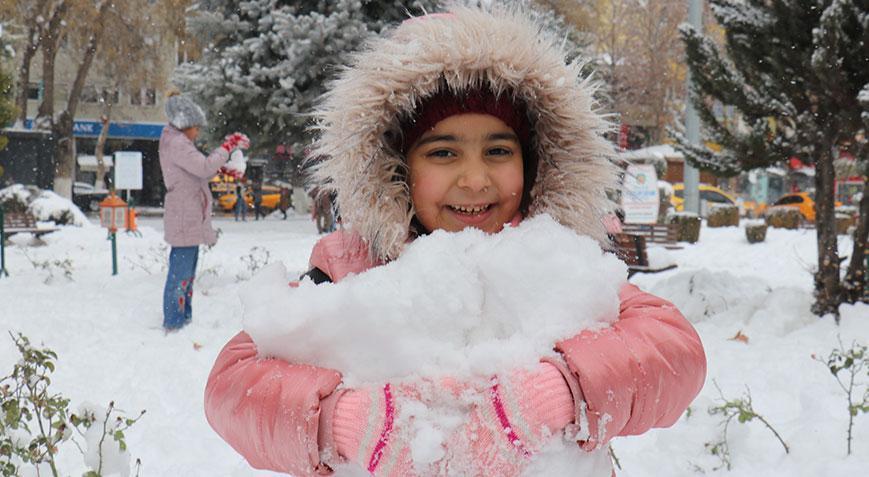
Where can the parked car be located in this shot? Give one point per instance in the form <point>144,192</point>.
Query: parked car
<point>271,198</point>
<point>802,201</point>
<point>708,193</point>
<point>86,197</point>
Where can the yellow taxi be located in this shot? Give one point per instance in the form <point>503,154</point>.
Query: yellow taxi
<point>271,198</point>
<point>709,193</point>
<point>802,201</point>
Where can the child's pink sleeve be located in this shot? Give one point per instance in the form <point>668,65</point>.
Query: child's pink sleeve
<point>639,373</point>
<point>268,410</point>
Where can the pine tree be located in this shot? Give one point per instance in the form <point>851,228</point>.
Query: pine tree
<point>267,61</point>
<point>793,69</point>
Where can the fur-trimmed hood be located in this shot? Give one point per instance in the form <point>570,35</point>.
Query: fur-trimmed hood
<point>462,49</point>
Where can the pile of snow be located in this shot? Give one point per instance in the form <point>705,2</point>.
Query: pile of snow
<point>458,304</point>
<point>44,205</point>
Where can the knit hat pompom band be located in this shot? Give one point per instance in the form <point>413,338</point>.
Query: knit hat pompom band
<point>445,103</point>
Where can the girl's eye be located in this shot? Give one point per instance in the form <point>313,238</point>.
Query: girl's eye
<point>499,151</point>
<point>441,153</point>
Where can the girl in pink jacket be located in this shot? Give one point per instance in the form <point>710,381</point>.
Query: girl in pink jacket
<point>456,120</point>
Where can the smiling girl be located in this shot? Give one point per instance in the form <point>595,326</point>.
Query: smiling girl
<point>451,121</point>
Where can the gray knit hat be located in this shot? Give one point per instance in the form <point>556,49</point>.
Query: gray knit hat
<point>183,113</point>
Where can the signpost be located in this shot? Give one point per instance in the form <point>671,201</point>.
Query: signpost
<point>128,171</point>
<point>128,176</point>
<point>640,194</point>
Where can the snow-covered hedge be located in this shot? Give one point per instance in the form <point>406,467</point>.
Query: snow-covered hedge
<point>784,218</point>
<point>723,215</point>
<point>45,205</point>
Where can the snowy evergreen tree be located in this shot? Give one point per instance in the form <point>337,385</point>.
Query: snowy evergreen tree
<point>266,62</point>
<point>793,69</point>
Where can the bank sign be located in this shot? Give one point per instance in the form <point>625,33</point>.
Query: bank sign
<point>116,130</point>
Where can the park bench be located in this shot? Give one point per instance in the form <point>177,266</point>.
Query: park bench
<point>666,234</point>
<point>12,223</point>
<point>22,222</point>
<point>631,248</point>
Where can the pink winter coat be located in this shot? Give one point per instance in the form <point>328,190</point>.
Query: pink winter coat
<point>642,372</point>
<point>186,172</point>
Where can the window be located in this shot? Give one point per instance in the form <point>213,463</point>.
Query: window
<point>112,96</point>
<point>790,199</point>
<point>712,196</point>
<point>144,97</point>
<point>89,94</point>
<point>34,91</point>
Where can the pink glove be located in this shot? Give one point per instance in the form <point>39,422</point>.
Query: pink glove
<point>365,431</point>
<point>235,140</point>
<point>511,421</point>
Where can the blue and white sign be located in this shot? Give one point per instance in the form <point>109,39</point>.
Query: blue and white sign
<point>83,128</point>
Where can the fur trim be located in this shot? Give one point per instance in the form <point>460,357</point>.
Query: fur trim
<point>466,48</point>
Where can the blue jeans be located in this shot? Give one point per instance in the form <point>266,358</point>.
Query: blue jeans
<point>240,209</point>
<point>178,293</point>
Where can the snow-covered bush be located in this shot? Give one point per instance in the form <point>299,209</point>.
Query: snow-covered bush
<point>689,226</point>
<point>755,233</point>
<point>42,204</point>
<point>52,267</point>
<point>784,218</point>
<point>845,219</point>
<point>36,423</point>
<point>255,259</point>
<point>723,215</point>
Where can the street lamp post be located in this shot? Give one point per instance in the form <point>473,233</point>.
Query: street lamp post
<point>691,175</point>
<point>113,211</point>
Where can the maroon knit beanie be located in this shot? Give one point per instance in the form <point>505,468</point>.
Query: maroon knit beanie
<point>446,103</point>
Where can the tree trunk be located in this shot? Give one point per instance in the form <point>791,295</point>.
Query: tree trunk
<point>99,150</point>
<point>51,37</point>
<point>24,84</point>
<point>854,287</point>
<point>827,291</point>
<point>64,169</point>
<point>34,40</point>
<point>45,114</point>
<point>64,155</point>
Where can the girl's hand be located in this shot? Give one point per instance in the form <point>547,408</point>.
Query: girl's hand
<point>510,421</point>
<point>366,430</point>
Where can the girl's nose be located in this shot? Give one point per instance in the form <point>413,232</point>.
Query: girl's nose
<point>475,176</point>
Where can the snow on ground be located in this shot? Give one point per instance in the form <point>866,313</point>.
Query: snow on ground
<point>107,333</point>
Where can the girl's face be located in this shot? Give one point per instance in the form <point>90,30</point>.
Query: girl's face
<point>466,172</point>
<point>192,133</point>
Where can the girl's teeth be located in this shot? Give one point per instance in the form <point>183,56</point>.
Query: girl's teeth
<point>470,210</point>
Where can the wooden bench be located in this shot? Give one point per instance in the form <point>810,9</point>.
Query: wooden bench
<point>667,234</point>
<point>23,222</point>
<point>632,250</point>
<point>12,223</point>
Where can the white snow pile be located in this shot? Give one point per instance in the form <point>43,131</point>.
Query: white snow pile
<point>458,304</point>
<point>45,205</point>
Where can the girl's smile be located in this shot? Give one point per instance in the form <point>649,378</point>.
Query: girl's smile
<point>467,171</point>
